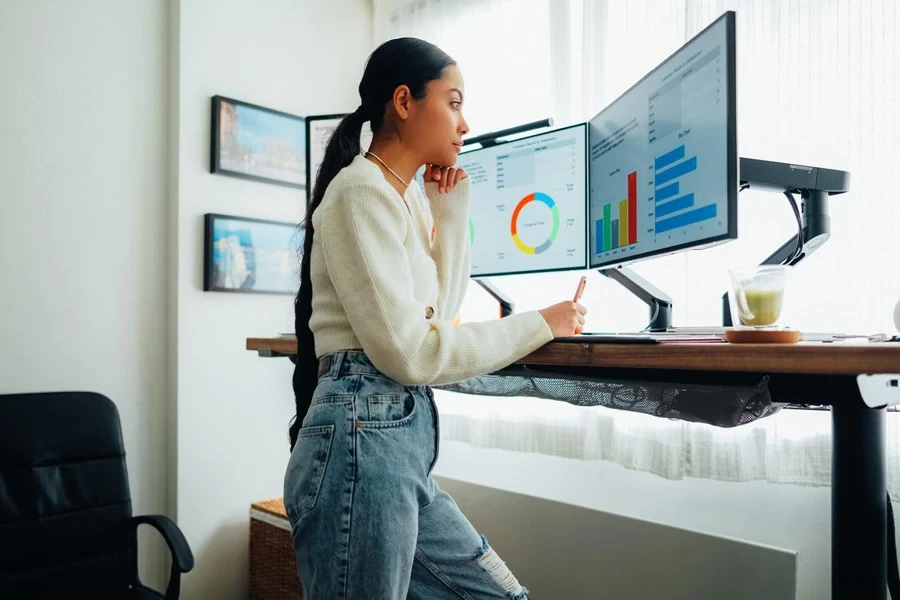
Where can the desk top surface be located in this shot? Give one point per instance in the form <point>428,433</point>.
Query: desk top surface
<point>838,358</point>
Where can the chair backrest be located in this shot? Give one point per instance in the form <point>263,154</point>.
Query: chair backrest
<point>64,497</point>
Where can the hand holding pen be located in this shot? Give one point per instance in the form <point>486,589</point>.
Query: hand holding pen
<point>566,318</point>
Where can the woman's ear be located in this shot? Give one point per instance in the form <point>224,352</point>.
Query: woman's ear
<point>402,102</point>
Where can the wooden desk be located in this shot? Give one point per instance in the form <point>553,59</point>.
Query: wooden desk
<point>813,374</point>
<point>839,358</point>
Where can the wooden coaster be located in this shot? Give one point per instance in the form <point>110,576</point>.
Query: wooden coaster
<point>762,336</point>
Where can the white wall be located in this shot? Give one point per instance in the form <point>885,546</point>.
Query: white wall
<point>783,516</point>
<point>82,216</point>
<point>303,57</point>
<point>562,550</point>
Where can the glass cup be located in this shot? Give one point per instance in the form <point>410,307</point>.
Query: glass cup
<point>757,294</point>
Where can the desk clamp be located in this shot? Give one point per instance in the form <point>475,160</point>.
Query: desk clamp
<point>879,391</point>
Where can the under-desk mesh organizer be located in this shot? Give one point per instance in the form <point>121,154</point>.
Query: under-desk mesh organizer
<point>722,405</point>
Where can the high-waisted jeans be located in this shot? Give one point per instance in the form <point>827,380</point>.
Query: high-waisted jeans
<point>368,520</point>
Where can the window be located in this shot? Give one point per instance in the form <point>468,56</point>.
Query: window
<point>817,85</point>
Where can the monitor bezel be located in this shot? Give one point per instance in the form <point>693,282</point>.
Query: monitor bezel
<point>732,160</point>
<point>584,265</point>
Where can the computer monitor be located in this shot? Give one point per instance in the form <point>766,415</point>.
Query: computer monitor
<point>528,211</point>
<point>318,132</point>
<point>663,156</point>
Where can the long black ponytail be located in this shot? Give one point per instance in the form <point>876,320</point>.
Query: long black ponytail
<point>402,61</point>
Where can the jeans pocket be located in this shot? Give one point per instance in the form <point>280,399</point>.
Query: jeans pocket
<point>306,470</point>
<point>388,410</point>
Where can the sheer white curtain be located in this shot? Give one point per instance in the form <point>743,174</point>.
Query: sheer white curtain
<point>517,35</point>
<point>817,84</point>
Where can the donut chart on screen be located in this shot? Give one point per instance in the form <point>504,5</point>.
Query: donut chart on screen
<point>514,223</point>
<point>528,209</point>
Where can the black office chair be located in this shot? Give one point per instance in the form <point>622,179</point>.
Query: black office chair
<point>66,529</point>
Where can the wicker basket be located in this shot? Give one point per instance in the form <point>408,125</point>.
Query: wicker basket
<point>273,565</point>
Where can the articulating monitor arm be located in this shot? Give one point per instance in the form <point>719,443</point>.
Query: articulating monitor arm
<point>814,185</point>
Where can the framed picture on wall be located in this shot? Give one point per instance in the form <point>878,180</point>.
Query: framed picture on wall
<point>257,143</point>
<point>251,255</point>
<point>318,133</point>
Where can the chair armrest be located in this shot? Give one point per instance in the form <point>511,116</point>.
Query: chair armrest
<point>182,557</point>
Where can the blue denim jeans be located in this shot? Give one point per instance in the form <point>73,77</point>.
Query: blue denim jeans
<point>368,520</point>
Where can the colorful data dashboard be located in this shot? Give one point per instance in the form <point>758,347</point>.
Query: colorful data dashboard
<point>528,205</point>
<point>654,172</point>
<point>663,156</point>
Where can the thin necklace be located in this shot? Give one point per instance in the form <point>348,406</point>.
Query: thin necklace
<point>375,156</point>
<point>402,197</point>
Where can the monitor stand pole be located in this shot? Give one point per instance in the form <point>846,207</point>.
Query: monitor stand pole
<point>659,302</point>
<point>506,304</point>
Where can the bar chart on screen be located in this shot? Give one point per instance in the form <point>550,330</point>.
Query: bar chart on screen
<point>660,159</point>
<point>674,203</point>
<point>619,225</point>
<point>674,110</point>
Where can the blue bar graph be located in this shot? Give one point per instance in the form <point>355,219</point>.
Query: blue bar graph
<point>668,158</point>
<point>678,170</point>
<point>666,192</point>
<point>675,205</point>
<point>599,236</point>
<point>615,234</point>
<point>671,203</point>
<point>688,218</point>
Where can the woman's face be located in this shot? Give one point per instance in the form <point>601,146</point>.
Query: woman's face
<point>438,126</point>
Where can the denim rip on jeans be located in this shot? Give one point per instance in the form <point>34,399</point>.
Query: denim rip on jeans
<point>368,520</point>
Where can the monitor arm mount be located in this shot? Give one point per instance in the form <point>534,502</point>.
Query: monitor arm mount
<point>507,306</point>
<point>659,302</point>
<point>814,185</point>
<point>491,139</point>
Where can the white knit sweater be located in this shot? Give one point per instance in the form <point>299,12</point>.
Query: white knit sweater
<point>375,274</point>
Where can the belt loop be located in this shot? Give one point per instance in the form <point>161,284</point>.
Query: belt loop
<point>337,359</point>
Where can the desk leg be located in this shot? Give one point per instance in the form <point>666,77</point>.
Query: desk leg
<point>858,503</point>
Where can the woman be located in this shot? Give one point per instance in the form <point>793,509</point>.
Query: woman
<point>374,329</point>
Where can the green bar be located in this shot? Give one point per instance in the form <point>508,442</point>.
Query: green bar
<point>607,229</point>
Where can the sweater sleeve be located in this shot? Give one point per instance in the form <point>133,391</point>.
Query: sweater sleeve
<point>361,230</point>
<point>451,250</point>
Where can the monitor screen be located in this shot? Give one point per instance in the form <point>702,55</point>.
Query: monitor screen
<point>318,132</point>
<point>528,211</point>
<point>663,156</point>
